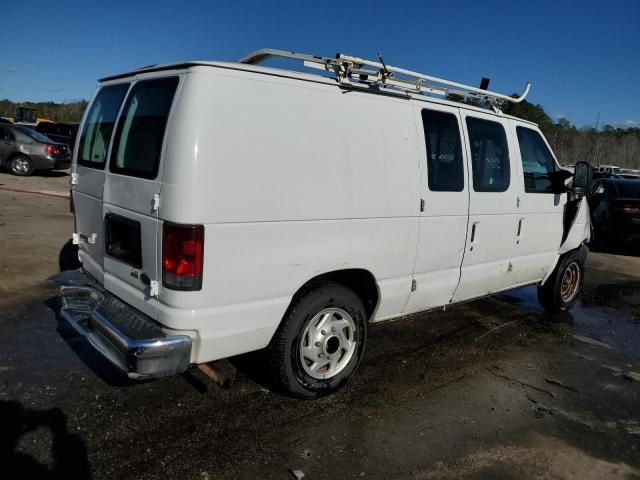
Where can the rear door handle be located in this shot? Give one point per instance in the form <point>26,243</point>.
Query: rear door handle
<point>473,234</point>
<point>473,231</point>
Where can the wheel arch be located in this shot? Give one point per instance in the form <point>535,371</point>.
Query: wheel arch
<point>580,248</point>
<point>361,281</point>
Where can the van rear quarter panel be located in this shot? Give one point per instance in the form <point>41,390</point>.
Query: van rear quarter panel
<point>291,180</point>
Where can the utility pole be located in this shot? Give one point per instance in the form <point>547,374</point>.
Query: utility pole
<point>596,142</point>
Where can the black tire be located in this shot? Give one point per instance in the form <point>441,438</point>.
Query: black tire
<point>68,257</point>
<point>561,292</point>
<point>285,365</point>
<point>20,165</point>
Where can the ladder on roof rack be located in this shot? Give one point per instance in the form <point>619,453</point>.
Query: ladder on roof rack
<point>346,67</point>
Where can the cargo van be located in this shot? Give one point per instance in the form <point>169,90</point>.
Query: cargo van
<point>223,208</point>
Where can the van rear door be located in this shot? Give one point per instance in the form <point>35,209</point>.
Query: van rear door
<point>89,167</point>
<point>131,193</point>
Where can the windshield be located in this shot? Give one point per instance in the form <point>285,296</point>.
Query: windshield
<point>37,136</point>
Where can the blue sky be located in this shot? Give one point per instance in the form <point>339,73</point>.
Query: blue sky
<point>582,57</point>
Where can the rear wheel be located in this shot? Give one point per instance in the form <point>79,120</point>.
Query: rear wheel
<point>21,165</point>
<point>562,289</point>
<point>319,343</point>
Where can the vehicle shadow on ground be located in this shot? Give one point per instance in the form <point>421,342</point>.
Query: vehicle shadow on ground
<point>68,451</point>
<point>41,173</point>
<point>51,173</point>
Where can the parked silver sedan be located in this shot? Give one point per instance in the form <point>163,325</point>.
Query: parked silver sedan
<point>23,151</point>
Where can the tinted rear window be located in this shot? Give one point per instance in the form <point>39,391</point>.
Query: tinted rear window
<point>628,190</point>
<point>37,136</point>
<point>138,142</point>
<point>98,127</point>
<point>44,127</point>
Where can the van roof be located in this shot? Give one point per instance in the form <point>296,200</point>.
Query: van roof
<point>293,74</point>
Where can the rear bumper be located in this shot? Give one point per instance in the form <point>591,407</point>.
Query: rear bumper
<point>42,162</point>
<point>127,338</point>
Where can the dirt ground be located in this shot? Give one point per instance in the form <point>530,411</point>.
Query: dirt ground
<point>492,389</point>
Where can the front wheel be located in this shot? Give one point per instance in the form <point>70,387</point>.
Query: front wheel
<point>319,343</point>
<point>563,287</point>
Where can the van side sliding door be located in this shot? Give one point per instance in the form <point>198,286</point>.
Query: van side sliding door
<point>493,194</point>
<point>444,190</point>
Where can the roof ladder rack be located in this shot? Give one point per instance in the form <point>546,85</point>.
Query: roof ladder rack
<point>352,71</point>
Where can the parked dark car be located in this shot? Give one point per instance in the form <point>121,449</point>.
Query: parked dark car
<point>615,211</point>
<point>60,132</point>
<point>23,150</point>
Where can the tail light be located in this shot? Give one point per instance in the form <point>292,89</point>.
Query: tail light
<point>52,150</point>
<point>182,256</point>
<point>631,210</point>
<point>628,209</point>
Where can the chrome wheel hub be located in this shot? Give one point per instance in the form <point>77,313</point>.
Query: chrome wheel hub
<point>21,165</point>
<point>328,343</point>
<point>570,282</point>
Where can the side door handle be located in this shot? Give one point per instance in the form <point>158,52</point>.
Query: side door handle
<point>520,227</point>
<point>474,226</point>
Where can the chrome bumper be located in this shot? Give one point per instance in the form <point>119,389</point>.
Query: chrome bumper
<point>126,337</point>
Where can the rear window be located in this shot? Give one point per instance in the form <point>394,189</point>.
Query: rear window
<point>44,127</point>
<point>98,127</point>
<point>138,142</point>
<point>628,190</point>
<point>37,136</point>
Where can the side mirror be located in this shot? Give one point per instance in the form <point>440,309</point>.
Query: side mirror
<point>582,174</point>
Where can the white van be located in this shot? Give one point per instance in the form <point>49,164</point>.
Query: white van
<point>222,208</point>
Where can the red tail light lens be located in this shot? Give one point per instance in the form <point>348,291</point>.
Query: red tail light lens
<point>182,256</point>
<point>52,150</point>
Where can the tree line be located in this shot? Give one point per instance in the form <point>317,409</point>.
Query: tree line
<point>609,145</point>
<point>58,112</point>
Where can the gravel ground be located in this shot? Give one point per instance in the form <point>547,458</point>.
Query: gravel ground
<point>438,395</point>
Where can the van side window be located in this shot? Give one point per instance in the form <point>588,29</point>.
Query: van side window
<point>96,133</point>
<point>140,132</point>
<point>444,153</point>
<point>537,161</point>
<point>489,155</point>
